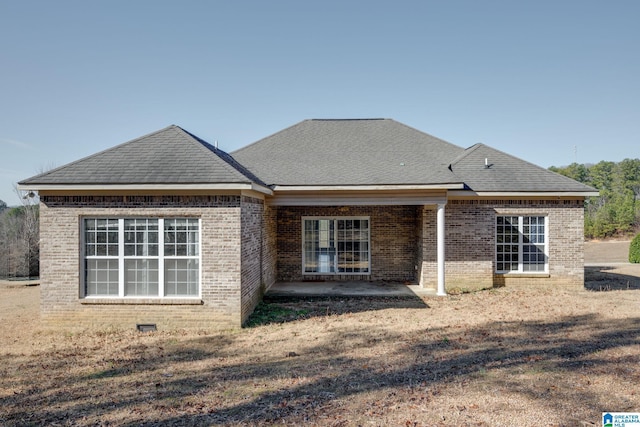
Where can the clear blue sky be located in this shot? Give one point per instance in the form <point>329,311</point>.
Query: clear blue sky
<point>532,78</point>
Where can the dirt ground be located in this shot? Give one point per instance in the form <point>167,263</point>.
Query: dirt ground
<point>607,266</point>
<point>607,251</point>
<point>513,356</point>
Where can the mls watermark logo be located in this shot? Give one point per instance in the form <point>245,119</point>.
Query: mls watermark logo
<point>621,419</point>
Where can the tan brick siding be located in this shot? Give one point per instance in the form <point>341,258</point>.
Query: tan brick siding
<point>247,246</point>
<point>269,247</point>
<point>62,266</point>
<point>470,242</point>
<point>252,254</point>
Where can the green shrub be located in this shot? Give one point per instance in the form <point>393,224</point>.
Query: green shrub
<point>634,250</point>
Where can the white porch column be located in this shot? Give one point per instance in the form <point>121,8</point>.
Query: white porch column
<point>440,254</point>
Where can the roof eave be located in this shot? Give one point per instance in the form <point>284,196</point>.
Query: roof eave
<point>370,187</point>
<point>151,187</point>
<point>520,194</point>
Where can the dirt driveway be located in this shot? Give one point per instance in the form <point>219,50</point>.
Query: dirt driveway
<point>607,266</point>
<point>604,252</point>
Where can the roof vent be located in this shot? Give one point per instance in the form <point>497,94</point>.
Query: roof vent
<point>487,165</point>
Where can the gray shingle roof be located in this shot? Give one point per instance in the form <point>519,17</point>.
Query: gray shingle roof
<point>350,152</point>
<point>508,173</point>
<point>168,156</point>
<point>312,153</point>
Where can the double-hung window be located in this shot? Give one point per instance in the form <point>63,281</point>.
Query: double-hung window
<point>521,244</point>
<point>141,257</point>
<point>336,245</point>
<point>141,260</point>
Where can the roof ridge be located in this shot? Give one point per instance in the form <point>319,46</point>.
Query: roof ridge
<point>425,133</point>
<point>224,156</point>
<point>347,120</point>
<point>465,153</point>
<point>383,142</point>
<point>268,136</point>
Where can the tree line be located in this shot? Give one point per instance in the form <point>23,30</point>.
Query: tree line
<point>617,210</point>
<point>19,240</point>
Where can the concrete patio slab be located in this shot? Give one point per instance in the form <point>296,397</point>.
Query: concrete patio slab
<point>351,289</point>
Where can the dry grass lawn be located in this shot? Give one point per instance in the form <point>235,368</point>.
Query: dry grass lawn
<point>514,356</point>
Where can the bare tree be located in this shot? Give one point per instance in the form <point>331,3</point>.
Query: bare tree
<point>4,241</point>
<point>31,231</point>
<point>19,237</point>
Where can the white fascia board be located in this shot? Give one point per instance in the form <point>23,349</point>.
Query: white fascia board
<point>358,199</point>
<point>310,188</point>
<point>262,189</point>
<point>254,194</point>
<point>137,187</point>
<point>521,194</point>
<point>351,201</point>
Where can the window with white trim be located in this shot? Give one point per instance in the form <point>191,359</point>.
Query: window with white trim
<point>521,244</point>
<point>338,245</point>
<point>141,257</point>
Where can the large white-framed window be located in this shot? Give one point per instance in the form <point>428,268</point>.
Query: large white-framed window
<point>141,257</point>
<point>336,245</point>
<point>522,244</point>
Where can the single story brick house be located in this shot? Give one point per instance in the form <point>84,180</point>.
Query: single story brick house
<point>168,229</point>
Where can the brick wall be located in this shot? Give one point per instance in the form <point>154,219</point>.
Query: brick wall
<point>246,246</point>
<point>470,242</point>
<point>393,236</point>
<point>269,247</point>
<point>221,259</point>
<point>252,254</point>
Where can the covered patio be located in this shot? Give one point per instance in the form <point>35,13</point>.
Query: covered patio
<point>390,236</point>
<point>354,288</point>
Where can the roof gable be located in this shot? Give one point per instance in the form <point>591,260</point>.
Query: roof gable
<point>350,152</point>
<point>485,169</point>
<point>168,156</point>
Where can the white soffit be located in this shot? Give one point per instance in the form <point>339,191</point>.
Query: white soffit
<point>358,198</point>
